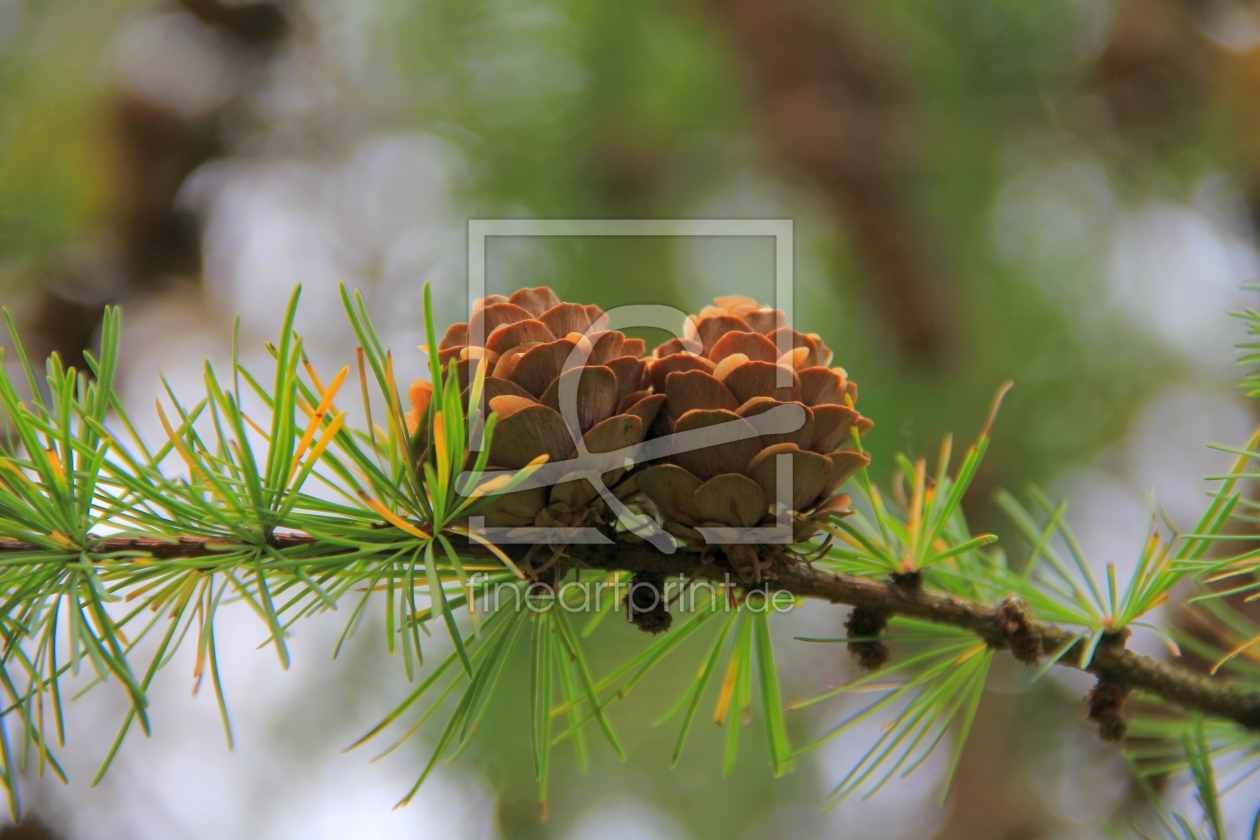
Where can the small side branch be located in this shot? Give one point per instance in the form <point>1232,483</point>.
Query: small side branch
<point>1174,684</point>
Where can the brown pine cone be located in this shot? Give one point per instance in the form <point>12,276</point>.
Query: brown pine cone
<point>528,342</point>
<point>724,371</point>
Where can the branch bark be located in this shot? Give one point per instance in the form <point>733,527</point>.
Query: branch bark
<point>1174,684</point>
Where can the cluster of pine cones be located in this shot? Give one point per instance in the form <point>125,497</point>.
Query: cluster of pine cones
<point>715,381</point>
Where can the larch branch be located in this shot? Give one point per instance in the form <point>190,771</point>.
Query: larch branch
<point>1175,684</point>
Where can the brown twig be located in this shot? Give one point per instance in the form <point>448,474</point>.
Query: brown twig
<point>1175,684</point>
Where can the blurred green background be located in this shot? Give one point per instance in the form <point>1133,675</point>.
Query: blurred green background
<point>1061,193</point>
